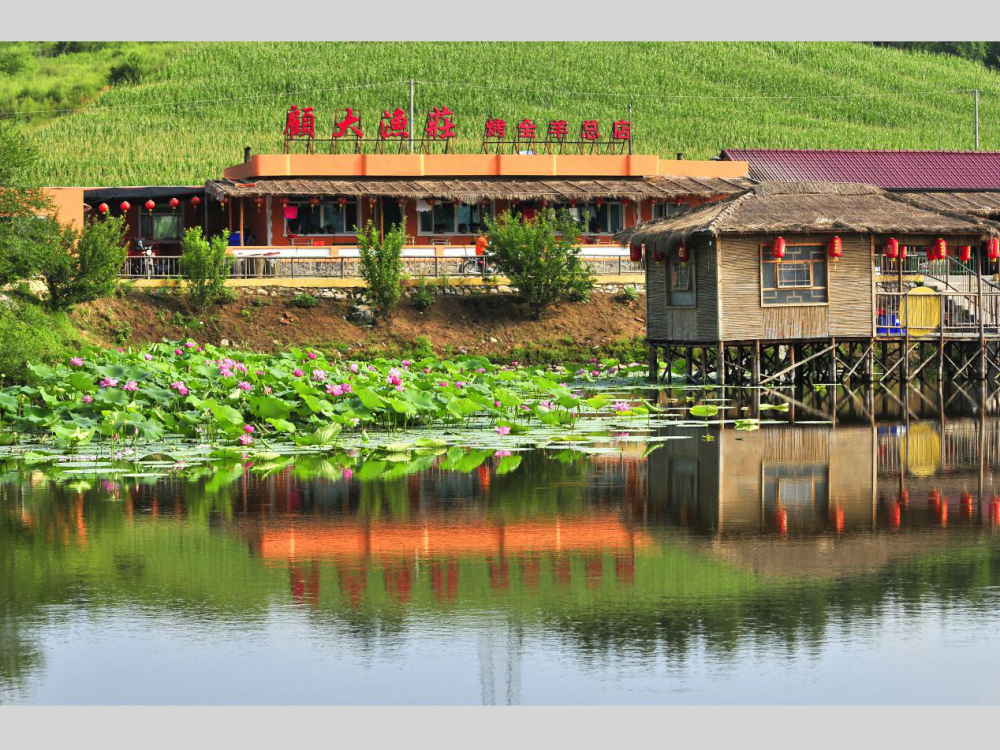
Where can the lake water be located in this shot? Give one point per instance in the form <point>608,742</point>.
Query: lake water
<point>795,563</point>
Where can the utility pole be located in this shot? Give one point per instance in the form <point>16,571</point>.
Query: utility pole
<point>977,119</point>
<point>411,119</point>
<point>630,128</point>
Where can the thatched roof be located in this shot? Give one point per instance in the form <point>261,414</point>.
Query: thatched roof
<point>984,204</point>
<point>473,191</point>
<point>805,208</point>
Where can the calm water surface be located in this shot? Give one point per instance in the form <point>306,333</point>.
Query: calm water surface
<point>805,563</point>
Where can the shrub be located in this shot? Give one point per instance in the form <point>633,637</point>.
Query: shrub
<point>423,295</point>
<point>124,289</point>
<point>29,333</point>
<point>628,294</point>
<point>421,348</point>
<point>304,300</point>
<point>205,266</point>
<point>79,266</point>
<point>541,258</point>
<point>382,266</point>
<point>127,71</point>
<point>226,295</point>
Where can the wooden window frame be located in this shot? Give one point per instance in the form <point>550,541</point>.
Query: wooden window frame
<point>671,254</point>
<point>490,211</point>
<point>764,249</point>
<point>325,205</point>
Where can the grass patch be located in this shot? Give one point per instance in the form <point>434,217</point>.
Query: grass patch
<point>30,333</point>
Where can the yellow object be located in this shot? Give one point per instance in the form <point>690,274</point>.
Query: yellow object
<point>921,311</point>
<point>923,450</point>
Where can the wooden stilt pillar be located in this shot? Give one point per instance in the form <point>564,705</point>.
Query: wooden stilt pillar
<point>654,368</point>
<point>720,364</point>
<point>755,365</point>
<point>671,352</point>
<point>833,361</point>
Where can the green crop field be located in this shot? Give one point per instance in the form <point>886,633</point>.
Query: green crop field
<point>191,115</point>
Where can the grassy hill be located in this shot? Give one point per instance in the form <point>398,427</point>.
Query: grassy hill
<point>192,115</point>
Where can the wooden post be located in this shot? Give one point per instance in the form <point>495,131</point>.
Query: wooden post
<point>981,311</point>
<point>720,364</point>
<point>242,242</point>
<point>755,364</point>
<point>833,361</point>
<point>654,367</point>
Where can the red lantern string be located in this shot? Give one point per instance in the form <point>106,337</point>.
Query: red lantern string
<point>892,248</point>
<point>125,207</point>
<point>836,248</point>
<point>103,208</point>
<point>778,249</point>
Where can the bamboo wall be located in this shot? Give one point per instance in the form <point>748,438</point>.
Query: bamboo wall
<point>684,324</point>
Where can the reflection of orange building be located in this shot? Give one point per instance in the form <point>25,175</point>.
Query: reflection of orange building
<point>305,540</point>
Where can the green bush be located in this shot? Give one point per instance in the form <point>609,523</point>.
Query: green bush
<point>541,258</point>
<point>205,266</point>
<point>423,295</point>
<point>628,294</point>
<point>382,266</point>
<point>30,333</point>
<point>127,71</point>
<point>304,300</point>
<point>226,295</point>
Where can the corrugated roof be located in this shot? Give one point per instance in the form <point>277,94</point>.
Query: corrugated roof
<point>471,191</point>
<point>890,170</point>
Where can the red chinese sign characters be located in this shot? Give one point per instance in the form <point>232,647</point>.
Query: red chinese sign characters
<point>440,126</point>
<point>300,123</point>
<point>350,122</point>
<point>495,127</point>
<point>394,125</point>
<point>526,129</point>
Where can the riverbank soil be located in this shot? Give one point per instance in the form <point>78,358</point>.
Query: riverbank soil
<point>492,324</point>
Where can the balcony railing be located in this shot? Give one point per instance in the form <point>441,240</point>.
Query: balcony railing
<point>955,314</point>
<point>325,267</point>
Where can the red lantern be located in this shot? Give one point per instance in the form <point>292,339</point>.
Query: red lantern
<point>150,205</point>
<point>892,248</point>
<point>341,201</point>
<point>174,203</point>
<point>125,207</point>
<point>940,249</point>
<point>599,201</point>
<point>683,253</point>
<point>635,253</point>
<point>314,201</point>
<point>993,248</point>
<point>195,201</point>
<point>658,256</point>
<point>103,208</point>
<point>902,252</point>
<point>836,248</point>
<point>431,201</point>
<point>778,248</point>
<point>965,253</point>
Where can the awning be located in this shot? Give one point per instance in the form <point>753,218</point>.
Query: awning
<point>474,191</point>
<point>113,194</point>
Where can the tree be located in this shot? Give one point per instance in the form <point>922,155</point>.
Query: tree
<point>382,266</point>
<point>21,203</point>
<point>78,266</point>
<point>205,265</point>
<point>540,257</point>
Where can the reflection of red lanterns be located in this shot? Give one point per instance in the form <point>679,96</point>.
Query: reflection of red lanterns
<point>995,511</point>
<point>778,249</point>
<point>965,253</point>
<point>635,253</point>
<point>895,515</point>
<point>892,248</point>
<point>933,497</point>
<point>174,203</point>
<point>125,207</point>
<point>838,518</point>
<point>782,520</point>
<point>683,253</point>
<point>150,205</point>
<point>195,201</point>
<point>836,248</point>
<point>103,208</point>
<point>993,248</point>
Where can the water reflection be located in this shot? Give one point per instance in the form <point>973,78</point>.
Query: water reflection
<point>717,569</point>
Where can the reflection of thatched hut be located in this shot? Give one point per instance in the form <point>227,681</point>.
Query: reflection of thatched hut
<point>789,262</point>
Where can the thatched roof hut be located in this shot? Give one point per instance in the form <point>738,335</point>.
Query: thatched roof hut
<point>807,208</point>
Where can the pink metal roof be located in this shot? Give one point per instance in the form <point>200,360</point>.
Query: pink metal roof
<point>891,170</point>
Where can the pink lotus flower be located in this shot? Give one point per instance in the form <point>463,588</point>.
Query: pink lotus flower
<point>76,361</point>
<point>267,389</point>
<point>443,384</point>
<point>335,390</point>
<point>460,384</point>
<point>190,344</point>
<point>258,372</point>
<point>427,371</point>
<point>502,430</point>
<point>620,406</point>
<point>515,363</point>
<point>547,405</point>
<point>109,382</point>
<point>393,380</point>
<point>503,454</point>
<point>353,367</point>
<point>480,369</point>
<point>399,387</point>
<point>148,357</point>
<point>88,399</point>
<point>131,386</point>
<point>595,373</point>
<point>248,428</point>
<point>318,374</point>
<point>497,404</point>
<point>244,386</point>
<point>346,474</point>
<point>593,360</point>
<point>240,367</point>
<point>178,352</point>
<point>246,439</point>
<point>311,355</point>
<point>120,350</point>
<point>347,388</point>
<point>562,385</point>
<point>297,373</point>
<point>180,387</point>
<point>406,363</point>
<point>225,372</point>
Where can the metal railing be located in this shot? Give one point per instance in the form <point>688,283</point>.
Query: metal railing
<point>258,267</point>
<point>924,315</point>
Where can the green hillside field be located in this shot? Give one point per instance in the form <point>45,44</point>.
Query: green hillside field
<point>192,113</point>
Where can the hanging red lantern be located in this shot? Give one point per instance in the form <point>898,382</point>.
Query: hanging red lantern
<point>599,201</point>
<point>635,253</point>
<point>195,201</point>
<point>683,253</point>
<point>150,205</point>
<point>314,201</point>
<point>341,201</point>
<point>892,248</point>
<point>778,248</point>
<point>125,207</point>
<point>931,252</point>
<point>431,201</point>
<point>658,256</point>
<point>103,208</point>
<point>940,249</point>
<point>993,248</point>
<point>174,203</point>
<point>836,248</point>
<point>902,252</point>
<point>965,253</point>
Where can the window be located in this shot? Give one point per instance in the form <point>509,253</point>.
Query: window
<point>447,218</point>
<point>663,210</point>
<point>606,218</point>
<point>680,280</point>
<point>800,279</point>
<point>327,218</point>
<point>161,226</point>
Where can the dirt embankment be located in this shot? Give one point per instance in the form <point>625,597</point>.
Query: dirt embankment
<point>488,324</point>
